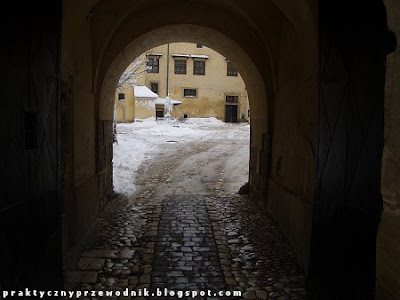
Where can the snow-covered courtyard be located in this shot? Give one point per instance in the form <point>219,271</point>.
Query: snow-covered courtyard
<point>143,140</point>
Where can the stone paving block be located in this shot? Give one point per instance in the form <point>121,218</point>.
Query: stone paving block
<point>90,263</point>
<point>181,280</point>
<point>144,279</point>
<point>186,249</point>
<point>80,276</point>
<point>101,253</point>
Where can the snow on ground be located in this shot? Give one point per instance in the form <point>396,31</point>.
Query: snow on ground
<point>141,140</point>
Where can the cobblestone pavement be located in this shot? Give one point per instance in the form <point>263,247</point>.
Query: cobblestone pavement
<point>186,228</point>
<point>186,256</point>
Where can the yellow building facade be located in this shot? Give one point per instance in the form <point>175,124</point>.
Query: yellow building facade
<point>124,104</point>
<point>206,83</point>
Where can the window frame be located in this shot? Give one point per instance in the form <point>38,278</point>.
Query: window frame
<point>190,96</point>
<point>232,96</point>
<point>199,70</point>
<point>231,70</point>
<point>153,69</point>
<point>151,86</point>
<point>177,71</point>
<point>119,97</point>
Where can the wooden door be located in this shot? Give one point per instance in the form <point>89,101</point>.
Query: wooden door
<point>231,112</point>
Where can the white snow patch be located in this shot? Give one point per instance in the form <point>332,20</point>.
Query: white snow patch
<point>199,56</point>
<point>180,55</point>
<point>144,92</point>
<point>142,139</point>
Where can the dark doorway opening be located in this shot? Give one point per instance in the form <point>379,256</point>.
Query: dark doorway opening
<point>231,112</point>
<point>159,111</point>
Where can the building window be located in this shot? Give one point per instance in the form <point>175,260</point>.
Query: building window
<point>153,65</point>
<point>232,99</point>
<point>231,70</point>
<point>159,111</point>
<point>199,46</point>
<point>190,93</point>
<point>121,96</point>
<point>154,87</point>
<point>180,66</point>
<point>199,67</point>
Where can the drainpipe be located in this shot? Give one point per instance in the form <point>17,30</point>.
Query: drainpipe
<point>167,70</point>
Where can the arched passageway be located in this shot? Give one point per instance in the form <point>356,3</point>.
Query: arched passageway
<point>259,69</point>
<point>275,48</point>
<point>183,33</point>
<point>274,44</point>
<point>281,86</point>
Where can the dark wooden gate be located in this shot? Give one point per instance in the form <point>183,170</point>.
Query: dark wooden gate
<point>231,112</point>
<point>353,46</point>
<point>30,252</point>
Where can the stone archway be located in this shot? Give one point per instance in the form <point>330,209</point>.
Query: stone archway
<point>280,39</point>
<point>179,33</point>
<point>256,49</point>
<point>260,40</point>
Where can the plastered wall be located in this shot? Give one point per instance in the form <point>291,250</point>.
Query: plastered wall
<point>126,107</point>
<point>211,87</point>
<point>291,161</point>
<point>76,72</point>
